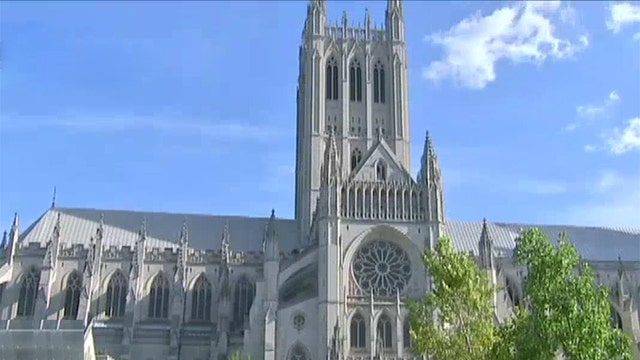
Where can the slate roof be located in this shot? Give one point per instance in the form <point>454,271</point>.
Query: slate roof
<point>122,226</point>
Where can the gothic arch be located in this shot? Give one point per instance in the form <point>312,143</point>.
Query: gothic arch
<point>29,282</point>
<point>159,288</point>
<point>356,82</point>
<point>358,330</point>
<point>332,77</point>
<point>71,288</point>
<point>244,292</point>
<point>115,292</point>
<point>201,298</point>
<point>384,328</point>
<point>298,352</point>
<point>512,290</point>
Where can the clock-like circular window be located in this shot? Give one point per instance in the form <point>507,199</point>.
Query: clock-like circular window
<point>381,268</point>
<point>298,321</point>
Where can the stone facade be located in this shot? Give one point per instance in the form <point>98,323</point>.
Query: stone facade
<point>329,284</point>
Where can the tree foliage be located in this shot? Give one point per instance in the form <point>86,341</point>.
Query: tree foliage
<point>566,311</point>
<point>454,320</point>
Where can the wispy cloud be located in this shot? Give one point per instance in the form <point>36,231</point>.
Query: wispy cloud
<point>520,33</point>
<point>622,15</point>
<point>589,112</point>
<point>510,183</point>
<point>625,139</point>
<point>613,199</point>
<point>177,125</point>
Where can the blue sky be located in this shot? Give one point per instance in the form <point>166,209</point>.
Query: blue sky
<point>190,107</point>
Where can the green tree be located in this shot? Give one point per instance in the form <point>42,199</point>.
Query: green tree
<point>455,320</point>
<point>566,311</point>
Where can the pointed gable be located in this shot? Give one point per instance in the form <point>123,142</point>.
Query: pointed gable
<point>380,158</point>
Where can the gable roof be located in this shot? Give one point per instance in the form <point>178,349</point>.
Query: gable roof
<point>205,231</point>
<point>381,147</point>
<point>122,226</point>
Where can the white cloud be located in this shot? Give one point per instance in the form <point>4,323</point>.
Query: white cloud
<point>592,111</point>
<point>521,33</point>
<point>626,139</point>
<point>614,200</point>
<point>622,14</point>
<point>171,124</point>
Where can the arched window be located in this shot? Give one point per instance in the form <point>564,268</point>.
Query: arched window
<point>512,292</point>
<point>381,171</point>
<point>28,293</point>
<point>298,352</point>
<point>357,332</point>
<point>378,83</point>
<point>116,295</point>
<point>384,331</point>
<point>616,320</point>
<point>406,334</point>
<point>244,293</point>
<point>355,81</point>
<point>72,296</point>
<point>356,156</point>
<point>159,298</point>
<point>201,299</point>
<point>331,79</point>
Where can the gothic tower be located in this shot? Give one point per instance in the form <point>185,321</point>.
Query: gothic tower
<point>352,81</point>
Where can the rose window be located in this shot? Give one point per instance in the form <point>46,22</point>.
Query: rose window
<point>381,268</point>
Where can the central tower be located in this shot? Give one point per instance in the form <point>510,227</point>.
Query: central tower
<point>353,82</point>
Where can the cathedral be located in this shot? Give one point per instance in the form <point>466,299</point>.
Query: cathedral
<point>332,283</point>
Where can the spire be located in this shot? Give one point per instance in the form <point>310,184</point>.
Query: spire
<point>621,290</point>
<point>142,234</point>
<point>316,17</point>
<point>225,251</point>
<point>100,229</point>
<point>367,19</point>
<point>430,179</point>
<point>181,265</point>
<point>485,247</point>
<point>51,254</point>
<point>53,200</point>
<point>14,234</point>
<point>330,164</point>
<point>270,243</point>
<point>395,20</point>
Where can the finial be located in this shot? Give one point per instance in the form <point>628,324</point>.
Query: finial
<point>620,266</point>
<point>225,233</point>
<point>184,232</point>
<point>4,240</point>
<point>100,230</point>
<point>143,229</point>
<point>273,213</point>
<point>53,200</point>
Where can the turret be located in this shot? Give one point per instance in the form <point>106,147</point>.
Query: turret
<point>316,18</point>
<point>395,20</point>
<point>270,242</point>
<point>485,252</point>
<point>430,178</point>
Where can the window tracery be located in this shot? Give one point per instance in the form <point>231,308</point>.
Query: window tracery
<point>357,332</point>
<point>298,353</point>
<point>331,79</point>
<point>159,298</point>
<point>116,295</point>
<point>201,299</point>
<point>355,81</point>
<point>381,268</point>
<point>384,331</point>
<point>244,293</point>
<point>72,296</point>
<point>28,293</point>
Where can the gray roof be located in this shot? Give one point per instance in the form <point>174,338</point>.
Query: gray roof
<point>163,229</point>
<point>593,243</point>
<point>121,228</point>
